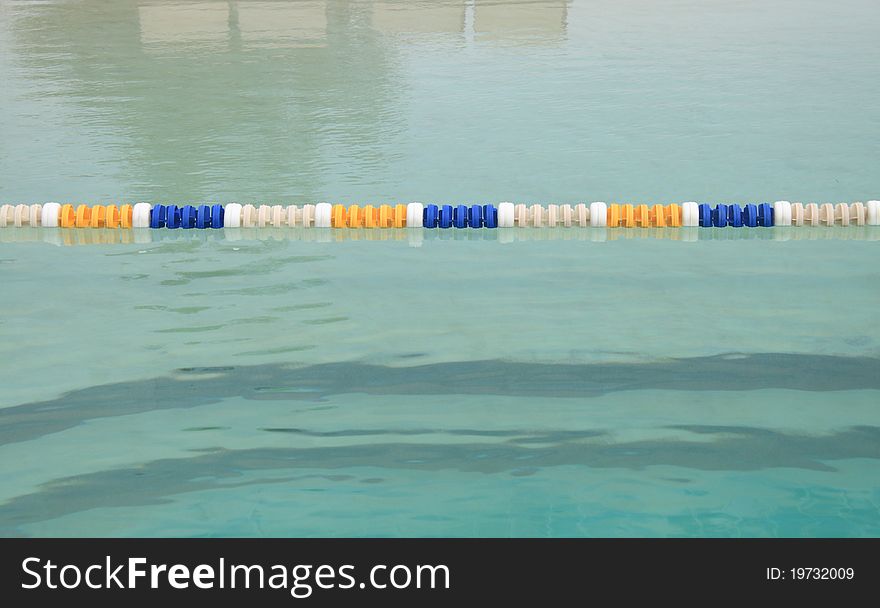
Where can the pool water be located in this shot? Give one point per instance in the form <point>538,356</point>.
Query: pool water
<point>205,386</point>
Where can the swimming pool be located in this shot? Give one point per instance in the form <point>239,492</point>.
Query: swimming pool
<point>200,385</point>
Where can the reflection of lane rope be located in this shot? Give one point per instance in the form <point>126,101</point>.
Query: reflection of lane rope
<point>417,215</point>
<point>417,236</point>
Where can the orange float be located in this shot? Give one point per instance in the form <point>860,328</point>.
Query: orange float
<point>399,216</point>
<point>385,216</point>
<point>339,217</point>
<point>371,217</point>
<point>83,216</point>
<point>68,216</point>
<point>627,216</point>
<point>613,215</point>
<point>99,217</point>
<point>673,215</point>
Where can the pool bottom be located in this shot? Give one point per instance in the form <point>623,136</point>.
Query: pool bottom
<point>631,463</point>
<point>639,387</point>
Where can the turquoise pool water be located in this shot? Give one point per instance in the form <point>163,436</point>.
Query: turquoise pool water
<point>204,386</point>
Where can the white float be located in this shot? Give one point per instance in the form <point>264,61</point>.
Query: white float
<point>521,213</point>
<point>782,213</point>
<point>826,214</point>
<point>264,212</point>
<point>248,216</point>
<point>36,215</point>
<point>536,212</point>
<point>292,215</point>
<point>278,216</point>
<point>690,214</point>
<point>811,214</point>
<point>598,214</point>
<point>323,213</point>
<point>50,215</point>
<point>565,215</point>
<point>308,216</point>
<point>857,213</point>
<point>797,214</point>
<point>232,216</point>
<point>505,215</point>
<point>582,213</point>
<point>841,214</point>
<point>873,212</point>
<point>140,215</point>
<point>21,216</point>
<point>415,215</point>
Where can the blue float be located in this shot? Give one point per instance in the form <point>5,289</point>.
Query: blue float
<point>705,215</point>
<point>734,215</point>
<point>490,216</point>
<point>750,215</point>
<point>188,217</point>
<point>172,217</point>
<point>445,220</point>
<point>765,214</point>
<point>430,216</point>
<point>203,217</point>
<point>217,215</point>
<point>157,216</point>
<point>719,216</point>
<point>460,216</point>
<point>475,216</point>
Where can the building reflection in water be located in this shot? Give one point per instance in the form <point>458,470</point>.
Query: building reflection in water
<point>294,24</point>
<point>220,100</point>
<point>407,17</point>
<point>189,23</point>
<point>275,24</point>
<point>224,100</point>
<point>520,21</point>
<point>305,22</point>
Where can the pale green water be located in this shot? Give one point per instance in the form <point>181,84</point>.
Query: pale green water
<point>209,386</point>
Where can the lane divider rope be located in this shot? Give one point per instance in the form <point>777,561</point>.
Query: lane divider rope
<point>418,215</point>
